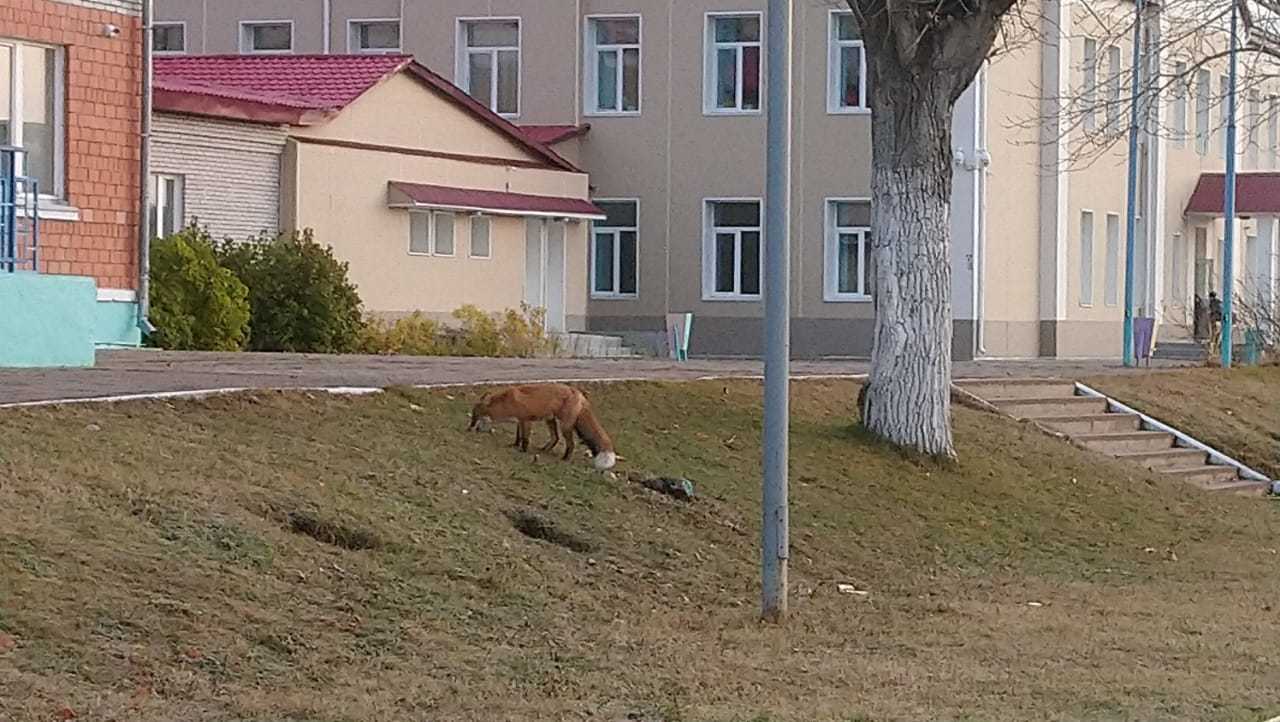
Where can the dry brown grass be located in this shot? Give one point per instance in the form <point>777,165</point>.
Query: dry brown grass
<point>147,574</point>
<point>1237,411</point>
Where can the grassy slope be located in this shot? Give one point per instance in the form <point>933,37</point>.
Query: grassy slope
<point>1237,411</point>
<point>146,575</point>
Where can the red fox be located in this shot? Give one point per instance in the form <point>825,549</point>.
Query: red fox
<point>564,408</point>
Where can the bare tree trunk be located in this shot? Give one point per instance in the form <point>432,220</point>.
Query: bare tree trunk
<point>908,399</point>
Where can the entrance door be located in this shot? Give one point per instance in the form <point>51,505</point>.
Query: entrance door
<point>533,263</point>
<point>544,270</point>
<point>555,276</point>
<point>1204,265</point>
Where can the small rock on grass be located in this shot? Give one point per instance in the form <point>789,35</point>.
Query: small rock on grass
<point>674,487</point>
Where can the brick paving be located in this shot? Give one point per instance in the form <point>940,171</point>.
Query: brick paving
<point>142,372</point>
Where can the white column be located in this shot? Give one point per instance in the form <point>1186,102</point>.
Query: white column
<point>1055,74</point>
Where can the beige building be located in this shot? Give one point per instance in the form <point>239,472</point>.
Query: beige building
<point>661,102</point>
<point>433,200</point>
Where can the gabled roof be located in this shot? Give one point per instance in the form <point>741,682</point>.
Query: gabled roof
<point>1256,194</point>
<point>552,134</point>
<point>305,90</point>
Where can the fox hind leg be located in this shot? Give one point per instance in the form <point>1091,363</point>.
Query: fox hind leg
<point>567,430</point>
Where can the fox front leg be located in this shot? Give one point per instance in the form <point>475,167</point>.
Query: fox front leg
<point>554,427</point>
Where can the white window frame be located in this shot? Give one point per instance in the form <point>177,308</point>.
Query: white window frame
<point>1087,259</point>
<point>617,255</point>
<point>709,231</point>
<point>1114,260</point>
<point>57,195</point>
<point>157,201</point>
<point>1272,129</point>
<point>1181,105</point>
<point>1253,111</point>
<point>169,23</point>
<point>710,64</point>
<point>1115,89</point>
<point>246,37</point>
<point>471,247</point>
<point>831,253</point>
<point>835,106</point>
<point>353,47</point>
<point>1224,85</point>
<point>1089,83</point>
<point>1203,114</point>
<point>591,66</point>
<point>462,64</point>
<point>431,234</point>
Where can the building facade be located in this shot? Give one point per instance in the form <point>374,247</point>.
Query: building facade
<point>672,92</point>
<point>70,104</point>
<point>432,200</point>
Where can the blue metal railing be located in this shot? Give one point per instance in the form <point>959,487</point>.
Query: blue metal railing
<point>19,215</point>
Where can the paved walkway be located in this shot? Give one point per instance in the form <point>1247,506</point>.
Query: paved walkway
<point>141,372</point>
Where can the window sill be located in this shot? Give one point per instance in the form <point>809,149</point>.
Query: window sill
<point>731,113</point>
<point>52,211</point>
<point>847,299</point>
<point>733,299</point>
<point>611,114</point>
<point>599,296</point>
<point>848,111</point>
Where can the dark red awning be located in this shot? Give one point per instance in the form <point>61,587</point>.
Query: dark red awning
<point>1256,194</point>
<point>419,195</point>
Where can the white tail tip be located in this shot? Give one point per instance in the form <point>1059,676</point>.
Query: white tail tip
<point>606,460</point>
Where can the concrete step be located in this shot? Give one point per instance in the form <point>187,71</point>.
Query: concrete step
<point>1090,423</point>
<point>1070,406</point>
<point>1125,442</point>
<point>1241,487</point>
<point>1205,475</point>
<point>1167,459</point>
<point>992,390</point>
<point>1179,351</point>
<point>591,345</point>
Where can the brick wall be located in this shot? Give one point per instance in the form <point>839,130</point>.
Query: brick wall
<point>103,106</point>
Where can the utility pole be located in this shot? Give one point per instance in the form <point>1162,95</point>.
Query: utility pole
<point>1229,194</point>
<point>1131,220</point>
<point>777,322</point>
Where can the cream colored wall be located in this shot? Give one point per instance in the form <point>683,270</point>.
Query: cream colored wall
<point>403,112</point>
<point>1011,285</point>
<point>341,193</point>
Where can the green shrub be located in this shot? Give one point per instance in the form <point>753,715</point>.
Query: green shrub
<point>196,304</point>
<point>413,335</point>
<point>299,295</point>
<point>511,333</point>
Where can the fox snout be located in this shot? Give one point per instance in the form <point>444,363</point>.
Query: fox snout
<point>479,422</point>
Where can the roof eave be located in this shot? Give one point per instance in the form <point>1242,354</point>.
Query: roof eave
<point>188,103</point>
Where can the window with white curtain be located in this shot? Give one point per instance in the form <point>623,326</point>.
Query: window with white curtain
<point>489,62</point>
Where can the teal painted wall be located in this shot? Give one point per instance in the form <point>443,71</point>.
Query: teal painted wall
<point>116,324</point>
<point>47,320</point>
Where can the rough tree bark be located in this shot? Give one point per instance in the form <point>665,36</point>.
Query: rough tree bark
<point>922,55</point>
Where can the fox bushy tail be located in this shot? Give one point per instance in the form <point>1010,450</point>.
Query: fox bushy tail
<point>596,438</point>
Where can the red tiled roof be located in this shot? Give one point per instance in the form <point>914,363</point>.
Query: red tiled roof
<point>552,134</point>
<point>308,82</point>
<point>1256,193</point>
<point>305,90</point>
<point>409,195</point>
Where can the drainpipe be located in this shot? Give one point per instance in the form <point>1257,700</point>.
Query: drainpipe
<point>328,25</point>
<point>984,162</point>
<point>144,176</point>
